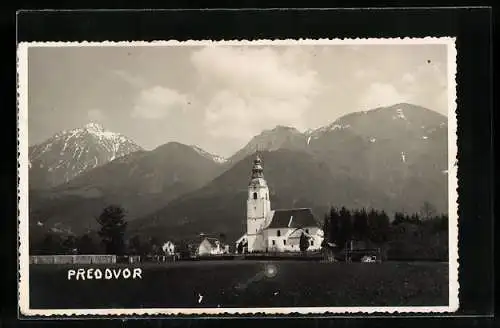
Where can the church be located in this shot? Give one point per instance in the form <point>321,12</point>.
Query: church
<point>275,230</point>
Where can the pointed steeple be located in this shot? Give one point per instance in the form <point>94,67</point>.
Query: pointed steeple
<point>257,169</point>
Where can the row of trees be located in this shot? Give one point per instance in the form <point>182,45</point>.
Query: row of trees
<point>438,222</point>
<point>341,226</point>
<point>56,243</point>
<point>110,239</point>
<point>417,236</point>
<point>111,234</point>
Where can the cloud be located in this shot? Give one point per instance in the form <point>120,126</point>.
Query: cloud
<point>426,86</point>
<point>367,73</point>
<point>408,78</point>
<point>134,81</point>
<point>230,115</point>
<point>430,87</point>
<point>256,88</point>
<point>157,102</point>
<point>381,94</point>
<point>95,115</point>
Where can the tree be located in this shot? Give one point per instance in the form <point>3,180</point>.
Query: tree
<point>69,245</point>
<point>345,230</point>
<point>414,218</point>
<point>85,245</point>
<point>183,249</point>
<point>154,247</point>
<point>50,245</point>
<point>378,226</point>
<point>334,227</point>
<point>360,225</point>
<point>398,218</point>
<point>326,231</point>
<point>112,232</point>
<point>428,211</point>
<point>137,246</point>
<point>442,223</point>
<point>303,243</point>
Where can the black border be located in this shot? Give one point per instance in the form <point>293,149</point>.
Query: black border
<point>471,26</point>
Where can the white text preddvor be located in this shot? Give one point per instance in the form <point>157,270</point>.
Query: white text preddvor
<point>105,274</point>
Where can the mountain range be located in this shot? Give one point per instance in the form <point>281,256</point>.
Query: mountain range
<point>391,158</point>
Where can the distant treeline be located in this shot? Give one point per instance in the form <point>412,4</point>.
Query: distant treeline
<point>90,243</point>
<point>110,239</point>
<point>419,236</point>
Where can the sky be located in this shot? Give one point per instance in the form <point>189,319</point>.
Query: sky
<point>218,97</point>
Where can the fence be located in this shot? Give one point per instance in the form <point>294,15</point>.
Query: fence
<point>72,259</point>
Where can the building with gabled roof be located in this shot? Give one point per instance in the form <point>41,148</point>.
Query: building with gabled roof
<point>211,246</point>
<point>275,230</point>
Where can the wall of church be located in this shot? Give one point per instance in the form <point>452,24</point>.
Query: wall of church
<point>288,239</point>
<point>277,240</point>
<point>256,243</point>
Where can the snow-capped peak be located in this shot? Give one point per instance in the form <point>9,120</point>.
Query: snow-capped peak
<point>213,157</point>
<point>94,127</point>
<point>72,152</point>
<point>330,127</point>
<point>100,132</point>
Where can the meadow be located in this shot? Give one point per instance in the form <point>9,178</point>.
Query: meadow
<point>245,284</point>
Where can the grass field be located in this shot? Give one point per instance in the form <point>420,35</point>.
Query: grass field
<point>243,284</point>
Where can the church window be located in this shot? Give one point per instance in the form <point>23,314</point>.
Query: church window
<point>312,242</point>
<point>278,233</point>
<point>254,195</point>
<point>274,242</point>
<point>307,230</point>
<point>284,241</point>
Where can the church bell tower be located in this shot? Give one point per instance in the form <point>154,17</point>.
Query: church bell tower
<point>258,207</point>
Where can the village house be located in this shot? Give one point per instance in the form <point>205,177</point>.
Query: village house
<point>275,230</point>
<point>211,246</point>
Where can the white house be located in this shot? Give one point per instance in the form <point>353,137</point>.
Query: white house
<point>168,248</point>
<point>275,230</point>
<point>211,246</point>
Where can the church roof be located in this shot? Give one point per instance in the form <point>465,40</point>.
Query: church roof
<point>293,218</point>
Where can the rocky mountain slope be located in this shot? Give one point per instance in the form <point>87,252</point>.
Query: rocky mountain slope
<point>140,182</point>
<point>70,153</point>
<point>281,137</point>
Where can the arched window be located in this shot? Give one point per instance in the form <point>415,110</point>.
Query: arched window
<point>254,195</point>
<point>307,230</point>
<point>278,233</point>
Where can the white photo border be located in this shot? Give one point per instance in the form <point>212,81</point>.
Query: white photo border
<point>23,194</point>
